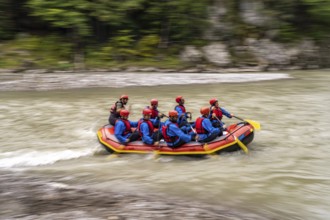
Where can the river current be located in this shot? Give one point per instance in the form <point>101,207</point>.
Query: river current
<point>49,124</point>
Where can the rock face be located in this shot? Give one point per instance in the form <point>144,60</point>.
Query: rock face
<point>191,54</point>
<point>217,54</point>
<point>251,12</point>
<point>270,53</point>
<point>262,51</point>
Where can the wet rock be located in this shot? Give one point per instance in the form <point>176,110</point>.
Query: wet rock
<point>191,54</point>
<point>217,54</point>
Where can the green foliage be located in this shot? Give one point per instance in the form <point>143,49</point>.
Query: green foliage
<point>288,33</point>
<point>144,32</point>
<point>174,21</point>
<point>172,62</point>
<point>63,14</point>
<point>319,18</point>
<point>301,18</point>
<point>147,46</point>
<point>122,46</point>
<point>109,12</point>
<point>42,52</point>
<point>319,9</point>
<point>6,22</point>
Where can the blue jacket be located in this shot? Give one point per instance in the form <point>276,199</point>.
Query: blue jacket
<point>207,125</point>
<point>224,112</point>
<point>120,129</point>
<point>182,116</point>
<point>145,133</point>
<point>174,131</point>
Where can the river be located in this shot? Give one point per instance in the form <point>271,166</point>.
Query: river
<point>48,137</point>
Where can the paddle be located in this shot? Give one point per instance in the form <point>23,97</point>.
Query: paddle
<point>191,127</point>
<point>164,115</point>
<point>218,119</point>
<point>242,146</point>
<point>158,133</point>
<point>255,124</point>
<point>240,143</point>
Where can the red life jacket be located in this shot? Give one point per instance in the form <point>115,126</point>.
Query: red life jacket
<point>154,112</point>
<point>168,138</point>
<point>199,126</point>
<point>150,125</point>
<point>127,126</point>
<point>217,112</point>
<point>183,109</point>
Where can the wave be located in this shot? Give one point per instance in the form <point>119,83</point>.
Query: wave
<point>38,158</point>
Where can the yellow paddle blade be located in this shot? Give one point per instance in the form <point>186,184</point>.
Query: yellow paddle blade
<point>156,155</point>
<point>244,148</point>
<point>112,156</point>
<point>255,124</point>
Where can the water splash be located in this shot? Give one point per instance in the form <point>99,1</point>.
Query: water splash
<point>37,158</point>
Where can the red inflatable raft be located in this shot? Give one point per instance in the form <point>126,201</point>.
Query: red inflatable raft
<point>237,137</point>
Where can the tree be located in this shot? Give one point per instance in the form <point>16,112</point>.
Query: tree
<point>70,15</point>
<point>175,21</point>
<point>296,18</point>
<point>6,21</point>
<point>319,11</point>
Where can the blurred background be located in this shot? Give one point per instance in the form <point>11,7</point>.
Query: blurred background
<point>166,34</point>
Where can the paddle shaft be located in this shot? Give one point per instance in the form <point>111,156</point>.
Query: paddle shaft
<point>218,119</point>
<point>238,118</point>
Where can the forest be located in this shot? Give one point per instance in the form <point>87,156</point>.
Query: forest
<point>63,34</point>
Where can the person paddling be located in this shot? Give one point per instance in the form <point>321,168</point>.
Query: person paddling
<point>181,109</point>
<point>216,114</point>
<point>116,108</point>
<point>123,131</point>
<point>154,110</point>
<point>172,134</point>
<point>146,128</point>
<point>205,131</point>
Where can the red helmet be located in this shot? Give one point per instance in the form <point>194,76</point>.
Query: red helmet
<point>124,113</point>
<point>124,97</point>
<point>173,113</point>
<point>146,111</point>
<point>213,101</point>
<point>178,98</point>
<point>154,102</point>
<point>204,110</point>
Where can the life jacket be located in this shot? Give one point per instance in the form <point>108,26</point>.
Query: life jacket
<point>199,126</point>
<point>127,126</point>
<point>154,112</point>
<point>167,138</point>
<point>217,112</point>
<point>150,125</point>
<point>113,108</point>
<point>183,109</point>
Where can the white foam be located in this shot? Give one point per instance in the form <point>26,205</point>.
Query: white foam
<point>38,158</point>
